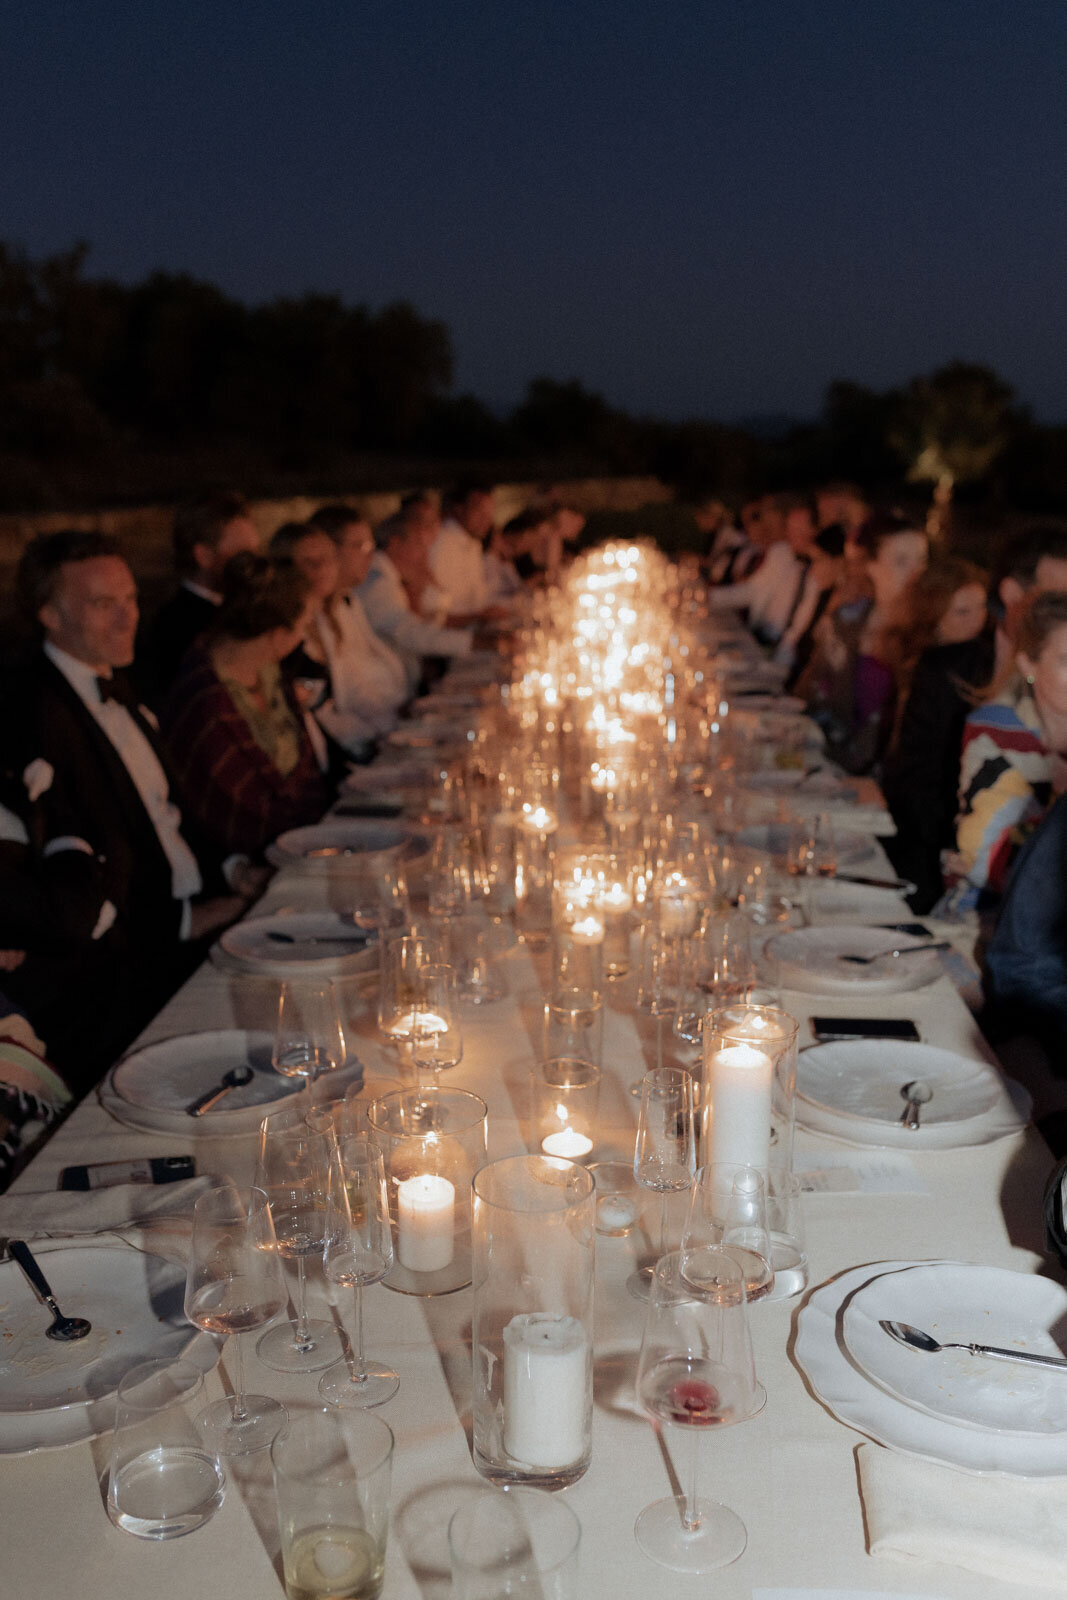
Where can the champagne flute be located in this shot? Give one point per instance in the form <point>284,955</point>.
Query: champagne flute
<point>358,1249</point>
<point>293,1170</point>
<point>665,1149</point>
<point>308,1038</point>
<point>695,1372</point>
<point>234,1283</point>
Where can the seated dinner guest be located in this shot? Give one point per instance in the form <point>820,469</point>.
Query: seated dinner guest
<point>241,752</point>
<point>1014,757</point>
<point>364,683</point>
<point>457,555</point>
<point>99,807</point>
<point>208,530</point>
<point>398,595</point>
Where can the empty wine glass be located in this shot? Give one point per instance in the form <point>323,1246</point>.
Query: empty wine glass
<point>234,1284</point>
<point>358,1249</point>
<point>695,1371</point>
<point>719,972</point>
<point>293,1171</point>
<point>402,958</point>
<point>728,1211</point>
<point>665,1149</point>
<point>308,1037</point>
<point>451,876</point>
<point>436,1036</point>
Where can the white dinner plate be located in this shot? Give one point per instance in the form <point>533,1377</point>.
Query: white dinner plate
<point>810,960</point>
<point>1009,1117</point>
<point>56,1394</point>
<point>822,1355</point>
<point>337,840</point>
<point>160,1081</point>
<point>962,1303</point>
<point>862,1078</point>
<point>853,849</point>
<point>253,943</point>
<point>431,730</point>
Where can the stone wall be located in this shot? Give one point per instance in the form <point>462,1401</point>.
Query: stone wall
<point>144,531</point>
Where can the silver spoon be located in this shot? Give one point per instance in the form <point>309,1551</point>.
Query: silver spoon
<point>64,1329</point>
<point>908,950</point>
<point>236,1078</point>
<point>916,1339</point>
<point>917,1094</point>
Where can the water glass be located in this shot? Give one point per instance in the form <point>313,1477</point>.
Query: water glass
<point>332,1475</point>
<point>514,1541</point>
<point>574,1026</point>
<point>163,1479</point>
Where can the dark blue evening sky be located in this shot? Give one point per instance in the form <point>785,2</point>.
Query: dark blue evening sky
<point>699,209</point>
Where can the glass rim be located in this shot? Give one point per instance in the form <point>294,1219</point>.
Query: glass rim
<point>533,1164</point>
<point>335,1420</point>
<point>439,1094</point>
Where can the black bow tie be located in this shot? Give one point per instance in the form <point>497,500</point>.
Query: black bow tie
<point>114,689</point>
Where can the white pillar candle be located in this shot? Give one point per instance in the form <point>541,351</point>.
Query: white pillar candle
<point>568,1143</point>
<point>739,1092</point>
<point>546,1389</point>
<point>426,1222</point>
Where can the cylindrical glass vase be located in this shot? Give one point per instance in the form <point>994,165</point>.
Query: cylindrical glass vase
<point>748,1090</point>
<point>433,1141</point>
<point>532,1331</point>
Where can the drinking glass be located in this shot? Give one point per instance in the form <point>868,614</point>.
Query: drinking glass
<point>695,1371</point>
<point>436,1036</point>
<point>451,875</point>
<point>162,1482</point>
<point>293,1171</point>
<point>665,1149</point>
<point>574,1026</point>
<point>402,957</point>
<point>719,972</point>
<point>235,1284</point>
<point>728,1212</point>
<point>308,1037</point>
<point>514,1541</point>
<point>332,1475</point>
<point>358,1250</point>
<point>478,972</point>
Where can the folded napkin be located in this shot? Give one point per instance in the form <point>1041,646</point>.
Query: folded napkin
<point>156,1217</point>
<point>1008,1528</point>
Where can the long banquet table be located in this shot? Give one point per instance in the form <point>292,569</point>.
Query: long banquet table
<point>790,1473</point>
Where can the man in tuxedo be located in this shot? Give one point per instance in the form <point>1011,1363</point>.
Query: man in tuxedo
<point>208,530</point>
<point>102,796</point>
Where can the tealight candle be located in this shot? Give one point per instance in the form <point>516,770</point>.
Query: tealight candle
<point>539,820</point>
<point>403,1027</point>
<point>739,1095</point>
<point>588,931</point>
<point>546,1389</point>
<point>426,1206</point>
<point>568,1143</point>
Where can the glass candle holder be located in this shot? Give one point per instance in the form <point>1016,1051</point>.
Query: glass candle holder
<point>567,1096</point>
<point>749,1086</point>
<point>532,1327</point>
<point>433,1141</point>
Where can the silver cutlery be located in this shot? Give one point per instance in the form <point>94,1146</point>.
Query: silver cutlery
<point>917,1094</point>
<point>315,938</point>
<point>916,1339</point>
<point>898,885</point>
<point>235,1078</point>
<point>64,1329</point>
<point>906,950</point>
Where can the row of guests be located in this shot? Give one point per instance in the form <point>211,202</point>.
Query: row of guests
<point>141,787</point>
<point>919,670</point>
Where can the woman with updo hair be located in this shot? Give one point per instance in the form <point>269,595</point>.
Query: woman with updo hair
<point>239,747</point>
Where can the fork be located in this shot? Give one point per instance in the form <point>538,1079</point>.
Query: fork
<point>908,950</point>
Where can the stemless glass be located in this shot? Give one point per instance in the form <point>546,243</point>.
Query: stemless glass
<point>402,958</point>
<point>308,1038</point>
<point>358,1250</point>
<point>728,1212</point>
<point>695,1371</point>
<point>436,1036</point>
<point>293,1171</point>
<point>235,1283</point>
<point>665,1150</point>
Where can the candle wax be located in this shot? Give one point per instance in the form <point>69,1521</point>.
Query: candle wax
<point>568,1143</point>
<point>739,1093</point>
<point>426,1207</point>
<point>547,1394</point>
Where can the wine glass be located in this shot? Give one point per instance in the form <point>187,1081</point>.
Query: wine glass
<point>720,972</point>
<point>451,874</point>
<point>402,958</point>
<point>234,1283</point>
<point>436,1036</point>
<point>728,1212</point>
<point>695,1371</point>
<point>293,1171</point>
<point>308,1037</point>
<point>358,1249</point>
<point>665,1149</point>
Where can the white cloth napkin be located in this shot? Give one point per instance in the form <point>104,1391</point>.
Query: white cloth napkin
<point>1013,1529</point>
<point>151,1216</point>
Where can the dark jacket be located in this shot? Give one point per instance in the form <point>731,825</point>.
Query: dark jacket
<point>174,630</point>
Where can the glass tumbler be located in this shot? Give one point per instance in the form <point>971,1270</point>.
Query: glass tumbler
<point>163,1480</point>
<point>332,1475</point>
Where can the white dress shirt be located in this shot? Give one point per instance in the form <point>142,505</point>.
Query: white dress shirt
<point>457,562</point>
<point>368,681</point>
<point>770,594</point>
<point>143,765</point>
<point>388,610</point>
